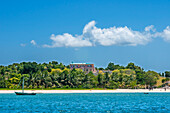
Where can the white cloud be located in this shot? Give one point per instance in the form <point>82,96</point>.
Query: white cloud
<point>166,34</point>
<point>93,35</point>
<point>68,40</point>
<point>33,42</point>
<point>115,36</point>
<point>150,28</point>
<point>23,45</point>
<point>89,26</point>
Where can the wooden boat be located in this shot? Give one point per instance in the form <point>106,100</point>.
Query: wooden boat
<point>22,93</point>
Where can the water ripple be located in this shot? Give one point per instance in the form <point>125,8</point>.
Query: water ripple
<point>93,103</point>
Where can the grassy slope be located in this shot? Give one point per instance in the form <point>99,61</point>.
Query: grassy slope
<point>159,82</point>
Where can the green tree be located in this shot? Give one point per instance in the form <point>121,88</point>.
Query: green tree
<point>111,66</point>
<point>100,80</point>
<point>167,73</point>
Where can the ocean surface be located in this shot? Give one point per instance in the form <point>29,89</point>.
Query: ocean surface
<point>78,103</point>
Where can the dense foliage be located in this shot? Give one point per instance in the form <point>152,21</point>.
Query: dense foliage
<point>57,75</point>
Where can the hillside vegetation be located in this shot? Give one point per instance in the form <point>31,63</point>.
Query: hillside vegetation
<point>56,75</point>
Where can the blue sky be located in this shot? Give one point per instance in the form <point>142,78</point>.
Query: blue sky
<point>86,31</point>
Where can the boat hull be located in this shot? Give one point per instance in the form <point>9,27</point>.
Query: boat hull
<point>146,93</point>
<point>20,93</point>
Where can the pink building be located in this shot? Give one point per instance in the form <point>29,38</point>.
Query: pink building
<point>84,66</point>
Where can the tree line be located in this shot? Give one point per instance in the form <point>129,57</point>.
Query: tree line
<point>57,75</point>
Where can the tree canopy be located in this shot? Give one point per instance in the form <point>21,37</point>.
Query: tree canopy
<point>57,75</point>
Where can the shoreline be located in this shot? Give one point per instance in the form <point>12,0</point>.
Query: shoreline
<point>91,91</point>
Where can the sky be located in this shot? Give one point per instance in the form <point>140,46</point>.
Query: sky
<point>92,31</point>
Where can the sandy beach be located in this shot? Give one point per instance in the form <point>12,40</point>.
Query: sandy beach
<point>92,91</point>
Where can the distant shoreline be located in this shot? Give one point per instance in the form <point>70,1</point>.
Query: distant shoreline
<point>91,91</point>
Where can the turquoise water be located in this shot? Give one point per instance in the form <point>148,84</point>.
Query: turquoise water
<point>76,103</point>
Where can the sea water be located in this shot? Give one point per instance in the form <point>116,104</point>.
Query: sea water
<point>93,102</point>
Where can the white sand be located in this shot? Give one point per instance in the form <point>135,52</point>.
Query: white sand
<point>91,91</point>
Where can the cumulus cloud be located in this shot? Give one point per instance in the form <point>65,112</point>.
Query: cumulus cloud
<point>166,34</point>
<point>33,42</point>
<point>68,40</point>
<point>150,28</point>
<point>92,36</point>
<point>115,35</point>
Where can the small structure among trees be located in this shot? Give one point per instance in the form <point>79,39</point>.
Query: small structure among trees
<point>78,75</point>
<point>86,67</point>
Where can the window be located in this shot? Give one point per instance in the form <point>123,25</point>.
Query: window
<point>89,66</point>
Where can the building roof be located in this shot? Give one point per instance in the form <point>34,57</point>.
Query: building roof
<point>80,63</point>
